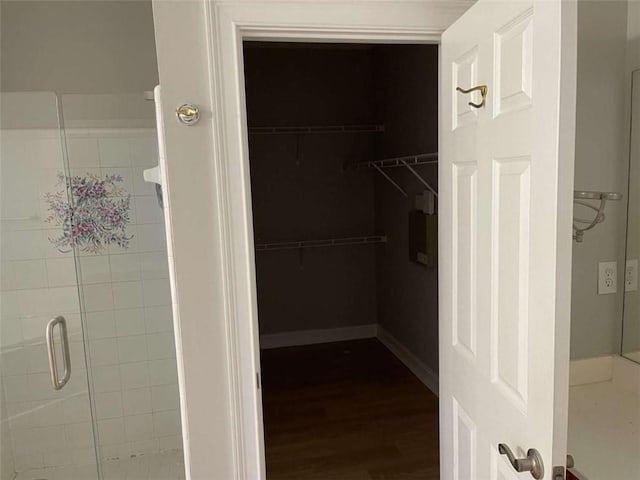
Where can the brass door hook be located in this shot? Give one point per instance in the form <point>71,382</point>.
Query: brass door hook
<point>483,91</point>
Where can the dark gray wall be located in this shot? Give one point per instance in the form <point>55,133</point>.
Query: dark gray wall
<point>300,190</point>
<point>407,293</point>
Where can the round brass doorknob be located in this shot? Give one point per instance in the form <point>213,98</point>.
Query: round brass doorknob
<point>188,114</point>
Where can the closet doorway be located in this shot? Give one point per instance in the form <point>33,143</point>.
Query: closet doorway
<point>343,142</point>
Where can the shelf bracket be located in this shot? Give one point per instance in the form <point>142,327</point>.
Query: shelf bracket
<point>580,198</point>
<point>399,162</point>
<point>391,180</point>
<point>419,177</point>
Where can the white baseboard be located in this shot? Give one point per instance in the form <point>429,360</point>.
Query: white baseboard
<point>413,363</point>
<point>626,374</point>
<point>591,370</point>
<point>623,372</point>
<point>311,337</point>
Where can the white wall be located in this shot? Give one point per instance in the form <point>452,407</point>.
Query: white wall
<point>77,46</point>
<point>601,164</point>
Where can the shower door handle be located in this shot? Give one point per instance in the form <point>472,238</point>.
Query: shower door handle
<point>51,348</point>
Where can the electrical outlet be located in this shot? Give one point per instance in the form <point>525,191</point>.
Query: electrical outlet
<point>607,278</point>
<point>631,276</point>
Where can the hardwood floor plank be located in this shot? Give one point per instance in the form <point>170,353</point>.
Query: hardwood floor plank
<point>347,411</point>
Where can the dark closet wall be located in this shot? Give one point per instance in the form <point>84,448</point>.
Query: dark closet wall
<point>407,99</point>
<point>299,188</point>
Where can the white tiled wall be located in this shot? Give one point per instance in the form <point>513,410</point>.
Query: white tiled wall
<point>44,426</point>
<point>127,307</point>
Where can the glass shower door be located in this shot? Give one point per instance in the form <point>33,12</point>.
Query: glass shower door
<point>111,140</point>
<point>46,423</point>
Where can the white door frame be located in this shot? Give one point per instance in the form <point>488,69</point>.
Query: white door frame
<point>208,197</point>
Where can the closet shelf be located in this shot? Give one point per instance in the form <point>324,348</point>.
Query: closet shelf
<point>315,129</point>
<point>330,242</point>
<point>408,162</point>
<point>420,159</point>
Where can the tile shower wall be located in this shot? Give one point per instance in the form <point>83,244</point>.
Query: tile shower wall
<point>126,296</point>
<point>43,426</point>
<point>127,301</point>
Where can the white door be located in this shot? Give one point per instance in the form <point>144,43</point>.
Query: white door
<point>506,181</point>
<point>506,178</point>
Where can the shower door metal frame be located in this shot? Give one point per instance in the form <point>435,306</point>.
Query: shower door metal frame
<point>83,316</point>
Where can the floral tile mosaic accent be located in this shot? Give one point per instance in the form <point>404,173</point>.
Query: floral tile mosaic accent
<point>92,210</point>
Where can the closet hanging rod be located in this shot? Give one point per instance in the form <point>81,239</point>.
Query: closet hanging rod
<point>420,159</point>
<point>316,129</point>
<point>330,242</point>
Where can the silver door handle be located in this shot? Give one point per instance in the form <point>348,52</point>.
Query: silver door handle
<point>532,463</point>
<point>51,348</point>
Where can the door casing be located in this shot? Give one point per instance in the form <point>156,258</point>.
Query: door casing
<point>208,198</point>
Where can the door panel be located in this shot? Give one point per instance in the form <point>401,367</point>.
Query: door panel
<point>465,234</point>
<point>512,65</point>
<point>503,351</point>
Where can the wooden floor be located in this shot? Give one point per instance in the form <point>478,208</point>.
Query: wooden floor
<point>347,411</point>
